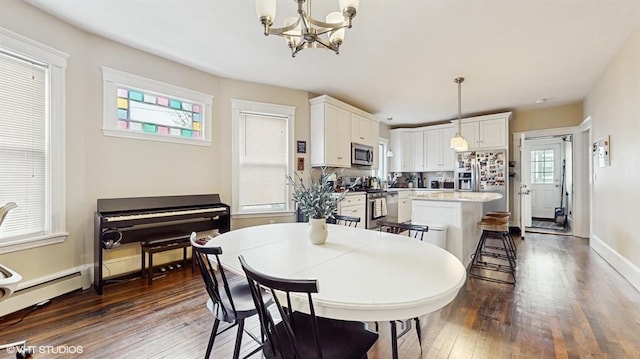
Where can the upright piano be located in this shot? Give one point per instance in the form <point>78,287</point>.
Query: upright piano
<point>126,220</point>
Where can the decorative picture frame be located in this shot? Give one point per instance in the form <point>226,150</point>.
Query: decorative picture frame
<point>301,146</point>
<point>300,164</point>
<point>600,150</point>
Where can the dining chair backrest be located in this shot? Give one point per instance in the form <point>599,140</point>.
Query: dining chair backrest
<point>417,230</point>
<point>276,342</point>
<point>348,221</point>
<point>203,256</point>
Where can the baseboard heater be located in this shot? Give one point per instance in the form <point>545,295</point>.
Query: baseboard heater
<point>38,290</point>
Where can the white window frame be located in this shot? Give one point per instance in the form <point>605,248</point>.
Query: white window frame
<point>112,78</point>
<point>56,61</point>
<point>242,106</point>
<point>383,161</point>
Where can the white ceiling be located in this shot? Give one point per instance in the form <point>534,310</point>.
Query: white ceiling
<point>400,58</point>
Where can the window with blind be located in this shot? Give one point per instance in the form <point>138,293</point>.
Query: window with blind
<point>31,142</point>
<point>262,157</point>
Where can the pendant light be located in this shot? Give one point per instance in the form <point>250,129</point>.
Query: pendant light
<point>458,142</point>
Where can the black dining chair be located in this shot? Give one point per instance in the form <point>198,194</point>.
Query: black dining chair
<point>348,221</point>
<point>229,302</point>
<point>301,335</point>
<point>417,230</point>
<point>418,233</point>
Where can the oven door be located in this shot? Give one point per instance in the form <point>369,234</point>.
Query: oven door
<point>376,211</point>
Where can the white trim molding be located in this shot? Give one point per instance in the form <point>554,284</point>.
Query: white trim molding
<point>621,264</point>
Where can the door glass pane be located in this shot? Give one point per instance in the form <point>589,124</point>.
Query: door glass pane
<point>542,166</point>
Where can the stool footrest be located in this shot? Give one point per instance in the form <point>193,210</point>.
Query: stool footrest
<point>157,245</point>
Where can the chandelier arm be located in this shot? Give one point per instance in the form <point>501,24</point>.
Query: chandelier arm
<point>327,25</point>
<point>329,46</point>
<point>281,30</point>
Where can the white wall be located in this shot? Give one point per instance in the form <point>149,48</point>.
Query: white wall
<point>614,108</point>
<point>98,166</point>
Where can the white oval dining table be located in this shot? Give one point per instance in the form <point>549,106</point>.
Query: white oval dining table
<point>363,275</point>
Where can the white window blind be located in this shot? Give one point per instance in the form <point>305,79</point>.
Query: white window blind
<point>263,160</point>
<point>262,156</point>
<point>24,159</point>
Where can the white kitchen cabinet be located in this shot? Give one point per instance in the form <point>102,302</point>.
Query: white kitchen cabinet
<point>412,151</point>
<point>355,206</point>
<point>486,132</point>
<point>334,126</point>
<point>438,156</point>
<point>422,149</point>
<point>362,130</point>
<point>404,206</point>
<point>395,144</point>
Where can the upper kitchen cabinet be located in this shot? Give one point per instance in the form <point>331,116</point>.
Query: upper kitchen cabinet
<point>486,132</point>
<point>395,144</point>
<point>421,149</point>
<point>364,130</point>
<point>413,151</point>
<point>438,156</point>
<point>334,126</point>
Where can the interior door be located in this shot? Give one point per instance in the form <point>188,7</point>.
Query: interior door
<point>546,163</point>
<point>525,186</point>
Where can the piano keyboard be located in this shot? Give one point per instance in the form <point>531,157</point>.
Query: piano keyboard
<point>161,214</point>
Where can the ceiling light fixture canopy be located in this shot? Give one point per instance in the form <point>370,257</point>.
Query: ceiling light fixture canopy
<point>458,142</point>
<point>303,31</point>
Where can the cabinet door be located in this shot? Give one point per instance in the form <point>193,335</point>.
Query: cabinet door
<point>355,211</point>
<point>404,209</point>
<point>469,131</point>
<point>433,150</point>
<point>418,152</point>
<point>407,151</point>
<point>448,153</point>
<point>395,144</point>
<point>492,133</point>
<point>338,140</point>
<point>360,129</point>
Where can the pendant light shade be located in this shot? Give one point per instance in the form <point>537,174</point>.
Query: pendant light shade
<point>458,142</point>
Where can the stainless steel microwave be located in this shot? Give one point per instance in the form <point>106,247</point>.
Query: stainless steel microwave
<point>361,155</point>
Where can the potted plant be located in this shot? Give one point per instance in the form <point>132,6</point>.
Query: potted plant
<point>317,201</point>
<point>411,180</point>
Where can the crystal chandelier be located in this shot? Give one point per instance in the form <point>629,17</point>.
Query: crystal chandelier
<point>303,31</point>
<point>458,142</point>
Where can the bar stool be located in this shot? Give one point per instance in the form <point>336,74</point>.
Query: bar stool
<point>493,228</point>
<point>505,217</point>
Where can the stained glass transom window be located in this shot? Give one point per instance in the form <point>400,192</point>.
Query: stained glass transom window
<point>141,108</point>
<point>147,112</point>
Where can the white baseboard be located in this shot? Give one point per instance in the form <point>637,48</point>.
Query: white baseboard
<point>627,269</point>
<point>53,285</point>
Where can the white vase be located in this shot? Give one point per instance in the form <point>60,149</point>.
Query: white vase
<point>317,230</point>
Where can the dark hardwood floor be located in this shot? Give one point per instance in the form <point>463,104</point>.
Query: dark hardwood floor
<point>567,303</point>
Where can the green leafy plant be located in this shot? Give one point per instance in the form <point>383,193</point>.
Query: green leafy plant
<point>317,200</point>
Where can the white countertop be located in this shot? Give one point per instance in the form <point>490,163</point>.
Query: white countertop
<point>477,197</point>
<point>420,189</point>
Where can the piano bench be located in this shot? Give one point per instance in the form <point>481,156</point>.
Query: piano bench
<point>158,245</point>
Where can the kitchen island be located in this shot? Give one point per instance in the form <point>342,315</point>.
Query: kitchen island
<point>459,211</point>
